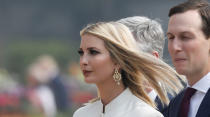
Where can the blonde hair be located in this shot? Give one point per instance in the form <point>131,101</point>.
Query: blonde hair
<point>136,67</point>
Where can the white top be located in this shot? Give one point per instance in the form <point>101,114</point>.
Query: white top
<point>152,94</point>
<point>124,105</point>
<point>47,100</point>
<point>202,87</point>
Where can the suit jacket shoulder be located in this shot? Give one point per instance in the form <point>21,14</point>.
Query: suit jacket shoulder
<point>173,108</point>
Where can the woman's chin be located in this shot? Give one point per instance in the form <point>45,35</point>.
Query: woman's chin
<point>89,81</point>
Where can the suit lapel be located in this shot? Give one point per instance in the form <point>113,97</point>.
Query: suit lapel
<point>178,104</point>
<point>173,109</point>
<point>204,109</point>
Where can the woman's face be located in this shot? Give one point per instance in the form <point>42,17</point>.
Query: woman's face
<point>95,61</point>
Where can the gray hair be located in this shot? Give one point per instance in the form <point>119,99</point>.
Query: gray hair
<point>147,32</point>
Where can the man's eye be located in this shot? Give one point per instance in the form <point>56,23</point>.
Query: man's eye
<point>185,38</point>
<point>170,37</point>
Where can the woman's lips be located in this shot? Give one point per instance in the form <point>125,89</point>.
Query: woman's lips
<point>86,73</point>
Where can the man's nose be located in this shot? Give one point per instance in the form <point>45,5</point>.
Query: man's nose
<point>176,44</point>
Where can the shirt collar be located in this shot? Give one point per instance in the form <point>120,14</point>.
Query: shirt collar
<point>203,84</point>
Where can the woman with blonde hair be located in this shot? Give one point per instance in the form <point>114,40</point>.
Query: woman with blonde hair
<point>110,58</point>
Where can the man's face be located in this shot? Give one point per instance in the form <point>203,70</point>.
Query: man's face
<point>187,44</point>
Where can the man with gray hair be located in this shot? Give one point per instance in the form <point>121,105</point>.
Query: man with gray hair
<point>149,36</point>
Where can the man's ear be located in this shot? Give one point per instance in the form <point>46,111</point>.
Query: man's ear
<point>156,54</point>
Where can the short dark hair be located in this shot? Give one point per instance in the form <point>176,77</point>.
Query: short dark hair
<point>203,8</point>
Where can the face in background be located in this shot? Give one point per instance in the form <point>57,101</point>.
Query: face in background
<point>187,44</point>
<point>95,61</point>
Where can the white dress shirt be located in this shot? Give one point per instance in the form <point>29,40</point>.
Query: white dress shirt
<point>124,105</point>
<point>202,87</point>
<point>152,94</point>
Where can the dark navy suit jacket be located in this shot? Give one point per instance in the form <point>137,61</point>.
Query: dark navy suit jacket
<point>160,106</point>
<point>60,93</point>
<point>173,109</point>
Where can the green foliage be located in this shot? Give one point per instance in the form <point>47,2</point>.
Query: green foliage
<point>19,54</point>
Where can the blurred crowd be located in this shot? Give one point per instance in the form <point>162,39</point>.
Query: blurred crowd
<point>47,92</point>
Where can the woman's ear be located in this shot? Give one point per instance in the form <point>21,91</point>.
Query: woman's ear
<point>117,66</point>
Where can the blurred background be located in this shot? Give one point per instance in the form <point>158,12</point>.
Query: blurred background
<point>39,39</point>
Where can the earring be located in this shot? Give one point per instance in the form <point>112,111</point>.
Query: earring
<point>117,76</point>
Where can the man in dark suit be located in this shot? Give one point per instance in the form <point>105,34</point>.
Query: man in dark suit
<point>189,46</point>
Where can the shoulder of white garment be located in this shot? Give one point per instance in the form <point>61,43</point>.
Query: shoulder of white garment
<point>144,112</point>
<point>86,110</point>
<point>126,105</point>
<point>141,109</point>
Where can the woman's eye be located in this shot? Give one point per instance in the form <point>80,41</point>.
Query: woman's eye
<point>80,52</point>
<point>93,52</point>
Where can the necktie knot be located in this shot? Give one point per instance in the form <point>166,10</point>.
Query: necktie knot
<point>189,93</point>
<point>186,102</point>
